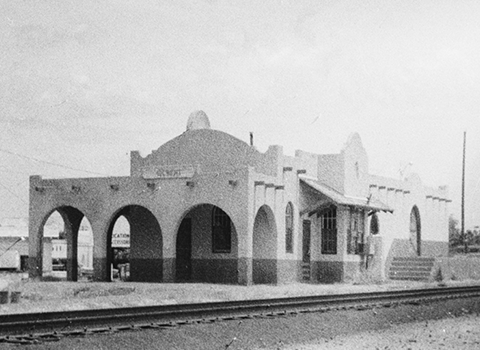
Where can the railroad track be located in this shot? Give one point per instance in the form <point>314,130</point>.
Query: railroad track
<point>37,327</point>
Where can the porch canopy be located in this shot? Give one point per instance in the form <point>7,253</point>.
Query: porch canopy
<point>329,195</point>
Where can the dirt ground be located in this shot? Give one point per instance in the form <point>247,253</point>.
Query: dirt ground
<point>451,324</point>
<point>448,325</point>
<point>457,333</point>
<point>62,296</point>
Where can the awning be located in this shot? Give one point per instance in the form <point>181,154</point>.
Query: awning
<point>369,203</point>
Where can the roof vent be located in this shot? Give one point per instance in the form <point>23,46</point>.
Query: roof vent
<point>198,120</point>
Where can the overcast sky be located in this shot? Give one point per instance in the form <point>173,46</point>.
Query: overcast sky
<point>82,83</point>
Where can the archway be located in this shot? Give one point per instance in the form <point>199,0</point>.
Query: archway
<point>67,234</point>
<point>206,246</point>
<point>264,257</point>
<point>415,231</point>
<point>146,245</point>
<point>121,249</point>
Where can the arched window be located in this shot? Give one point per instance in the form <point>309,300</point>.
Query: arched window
<point>221,231</point>
<point>415,230</point>
<point>289,228</point>
<point>374,225</point>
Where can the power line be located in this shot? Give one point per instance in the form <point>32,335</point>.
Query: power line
<point>12,193</point>
<point>6,170</point>
<point>51,163</point>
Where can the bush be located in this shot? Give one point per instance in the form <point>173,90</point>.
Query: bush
<point>51,279</point>
<point>439,275</point>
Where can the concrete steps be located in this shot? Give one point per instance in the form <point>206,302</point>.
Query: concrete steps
<point>411,268</point>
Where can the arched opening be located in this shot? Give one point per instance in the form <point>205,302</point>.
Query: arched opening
<point>145,258</point>
<point>121,250</point>
<point>67,245</point>
<point>264,263</point>
<point>415,231</point>
<point>206,247</point>
<point>289,228</point>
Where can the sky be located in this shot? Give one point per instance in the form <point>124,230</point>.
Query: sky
<point>82,83</point>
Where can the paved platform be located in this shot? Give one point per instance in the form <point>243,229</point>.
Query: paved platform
<point>60,296</point>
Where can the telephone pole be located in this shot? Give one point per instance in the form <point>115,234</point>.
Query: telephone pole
<point>463,194</point>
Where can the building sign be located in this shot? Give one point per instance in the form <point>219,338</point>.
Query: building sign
<point>169,172</point>
<point>120,240</point>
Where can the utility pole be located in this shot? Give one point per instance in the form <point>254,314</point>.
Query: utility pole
<point>463,194</point>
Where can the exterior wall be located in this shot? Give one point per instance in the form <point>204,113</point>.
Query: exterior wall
<point>254,189</point>
<point>355,168</point>
<point>264,263</point>
<point>214,189</point>
<point>146,249</point>
<point>206,265</point>
<point>168,199</point>
<point>402,196</point>
<point>47,262</point>
<point>331,170</point>
<point>289,264</point>
<point>207,150</point>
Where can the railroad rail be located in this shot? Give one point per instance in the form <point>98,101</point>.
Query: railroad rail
<point>37,327</point>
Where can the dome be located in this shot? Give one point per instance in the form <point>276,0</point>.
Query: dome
<point>198,120</point>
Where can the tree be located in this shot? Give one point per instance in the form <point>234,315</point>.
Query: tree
<point>62,234</point>
<point>454,236</point>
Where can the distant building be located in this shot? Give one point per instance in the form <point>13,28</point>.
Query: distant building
<point>208,207</point>
<point>14,243</point>
<point>12,248</point>
<point>85,248</point>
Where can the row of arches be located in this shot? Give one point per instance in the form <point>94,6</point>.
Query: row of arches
<point>206,248</point>
<point>206,243</point>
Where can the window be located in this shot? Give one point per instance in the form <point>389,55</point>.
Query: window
<point>289,228</point>
<point>221,231</point>
<point>356,232</point>
<point>415,230</point>
<point>328,224</point>
<point>374,226</point>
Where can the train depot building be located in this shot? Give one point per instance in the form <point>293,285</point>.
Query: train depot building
<point>208,207</point>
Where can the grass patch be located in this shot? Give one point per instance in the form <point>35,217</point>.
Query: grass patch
<point>121,290</point>
<point>367,278</point>
<point>52,279</point>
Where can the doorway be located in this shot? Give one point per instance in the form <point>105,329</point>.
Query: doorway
<point>306,250</point>
<point>183,264</point>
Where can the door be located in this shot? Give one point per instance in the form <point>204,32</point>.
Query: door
<point>183,265</point>
<point>306,250</point>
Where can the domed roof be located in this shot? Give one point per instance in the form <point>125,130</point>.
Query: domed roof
<point>198,120</point>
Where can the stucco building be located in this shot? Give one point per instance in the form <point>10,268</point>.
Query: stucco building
<point>14,245</point>
<point>84,248</point>
<point>208,207</point>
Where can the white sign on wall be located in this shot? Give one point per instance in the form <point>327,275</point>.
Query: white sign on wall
<point>169,172</point>
<point>120,240</point>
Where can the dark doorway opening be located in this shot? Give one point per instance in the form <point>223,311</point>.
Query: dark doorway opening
<point>183,265</point>
<point>306,250</point>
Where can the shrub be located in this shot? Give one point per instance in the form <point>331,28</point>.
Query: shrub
<point>439,275</point>
<point>51,279</point>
